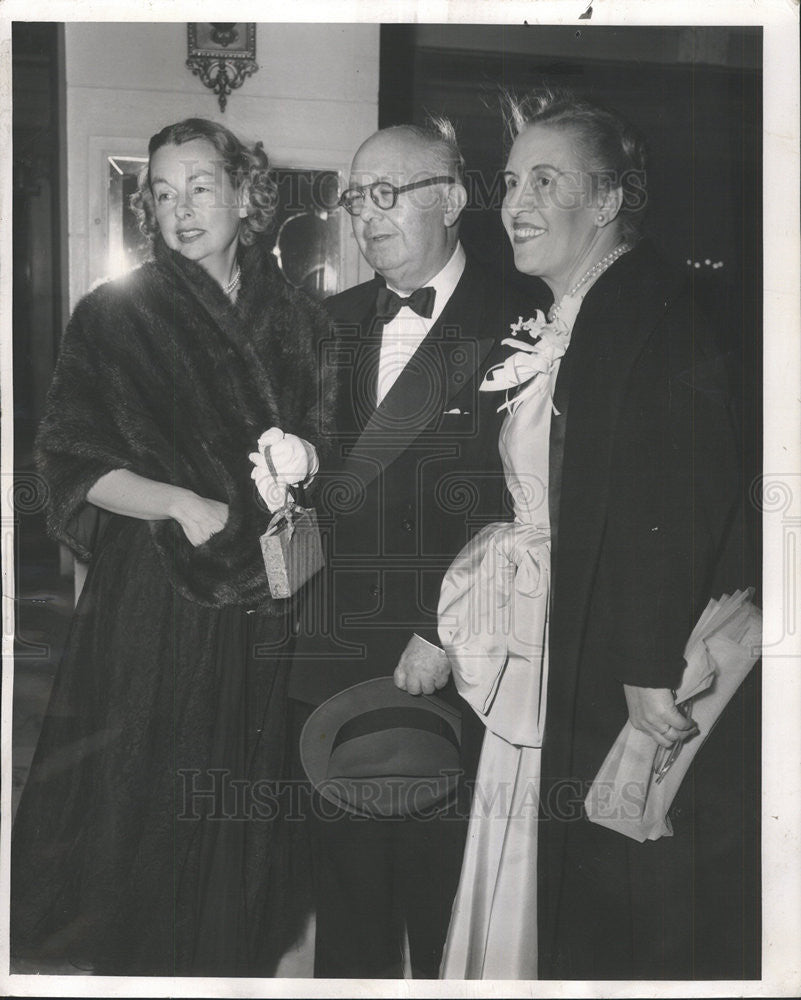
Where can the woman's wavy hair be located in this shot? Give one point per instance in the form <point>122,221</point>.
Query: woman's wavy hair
<point>243,164</point>
<point>613,152</point>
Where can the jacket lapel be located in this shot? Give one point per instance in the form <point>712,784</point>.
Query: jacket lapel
<point>441,367</point>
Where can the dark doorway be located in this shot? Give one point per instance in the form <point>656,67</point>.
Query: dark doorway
<point>43,593</point>
<point>37,231</point>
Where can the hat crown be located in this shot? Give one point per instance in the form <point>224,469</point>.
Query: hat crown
<point>375,750</point>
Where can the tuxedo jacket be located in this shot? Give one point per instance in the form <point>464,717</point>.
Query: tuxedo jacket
<point>414,478</point>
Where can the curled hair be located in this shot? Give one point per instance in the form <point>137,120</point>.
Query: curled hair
<point>613,151</point>
<point>243,164</point>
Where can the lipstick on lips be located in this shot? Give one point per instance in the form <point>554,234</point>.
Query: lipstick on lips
<point>189,235</point>
<point>523,232</point>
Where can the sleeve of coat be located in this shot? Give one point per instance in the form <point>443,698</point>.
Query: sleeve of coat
<point>79,439</point>
<point>675,512</point>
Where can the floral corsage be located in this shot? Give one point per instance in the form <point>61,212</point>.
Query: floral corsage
<point>537,356</point>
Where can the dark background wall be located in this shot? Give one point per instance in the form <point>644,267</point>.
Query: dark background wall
<point>37,306</point>
<point>696,95</point>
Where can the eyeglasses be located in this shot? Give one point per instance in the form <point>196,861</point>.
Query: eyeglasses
<point>383,194</point>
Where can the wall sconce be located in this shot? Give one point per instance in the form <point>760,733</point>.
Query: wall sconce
<point>222,54</point>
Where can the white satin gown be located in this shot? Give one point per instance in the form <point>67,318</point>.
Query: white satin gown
<point>493,616</point>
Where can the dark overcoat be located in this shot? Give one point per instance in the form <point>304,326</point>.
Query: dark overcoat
<point>646,503</point>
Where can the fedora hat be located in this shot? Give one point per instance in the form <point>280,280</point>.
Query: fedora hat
<point>375,750</point>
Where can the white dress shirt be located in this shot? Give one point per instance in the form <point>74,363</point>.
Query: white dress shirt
<point>404,333</point>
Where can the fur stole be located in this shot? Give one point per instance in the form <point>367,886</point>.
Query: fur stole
<point>158,373</point>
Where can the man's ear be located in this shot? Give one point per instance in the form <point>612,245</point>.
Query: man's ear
<point>455,201</point>
<point>610,201</point>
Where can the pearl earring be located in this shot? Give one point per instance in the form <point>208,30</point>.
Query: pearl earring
<point>601,218</point>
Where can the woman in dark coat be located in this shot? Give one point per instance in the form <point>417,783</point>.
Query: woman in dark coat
<point>646,504</point>
<point>642,511</point>
<point>149,838</point>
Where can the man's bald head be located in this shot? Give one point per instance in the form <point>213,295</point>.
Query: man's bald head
<point>432,147</point>
<point>411,241</point>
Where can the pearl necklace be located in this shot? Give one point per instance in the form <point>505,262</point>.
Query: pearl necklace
<point>233,284</point>
<point>596,270</point>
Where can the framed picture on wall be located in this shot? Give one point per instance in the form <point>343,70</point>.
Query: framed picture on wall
<point>227,39</point>
<point>306,234</point>
<point>222,54</point>
<point>307,230</point>
<point>126,245</point>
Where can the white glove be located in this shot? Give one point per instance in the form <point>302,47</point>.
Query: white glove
<point>294,459</point>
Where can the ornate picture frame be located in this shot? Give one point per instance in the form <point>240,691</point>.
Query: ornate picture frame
<point>222,54</point>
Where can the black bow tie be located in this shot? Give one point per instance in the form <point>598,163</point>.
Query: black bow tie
<point>389,303</point>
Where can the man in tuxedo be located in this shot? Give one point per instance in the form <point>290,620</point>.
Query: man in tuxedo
<point>417,474</point>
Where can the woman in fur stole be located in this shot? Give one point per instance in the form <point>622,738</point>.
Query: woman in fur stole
<point>150,837</point>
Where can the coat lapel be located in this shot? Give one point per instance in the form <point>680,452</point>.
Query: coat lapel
<point>444,363</point>
<point>354,358</point>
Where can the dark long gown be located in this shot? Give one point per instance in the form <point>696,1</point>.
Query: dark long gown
<point>151,835</point>
<point>135,873</point>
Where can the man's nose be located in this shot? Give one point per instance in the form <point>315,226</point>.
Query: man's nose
<point>369,208</point>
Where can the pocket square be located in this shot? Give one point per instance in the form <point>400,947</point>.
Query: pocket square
<point>456,412</point>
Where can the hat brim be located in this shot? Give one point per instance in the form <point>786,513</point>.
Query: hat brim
<point>365,793</point>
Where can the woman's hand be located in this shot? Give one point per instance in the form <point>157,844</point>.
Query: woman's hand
<point>653,711</point>
<point>294,459</point>
<point>124,492</point>
<point>199,517</point>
